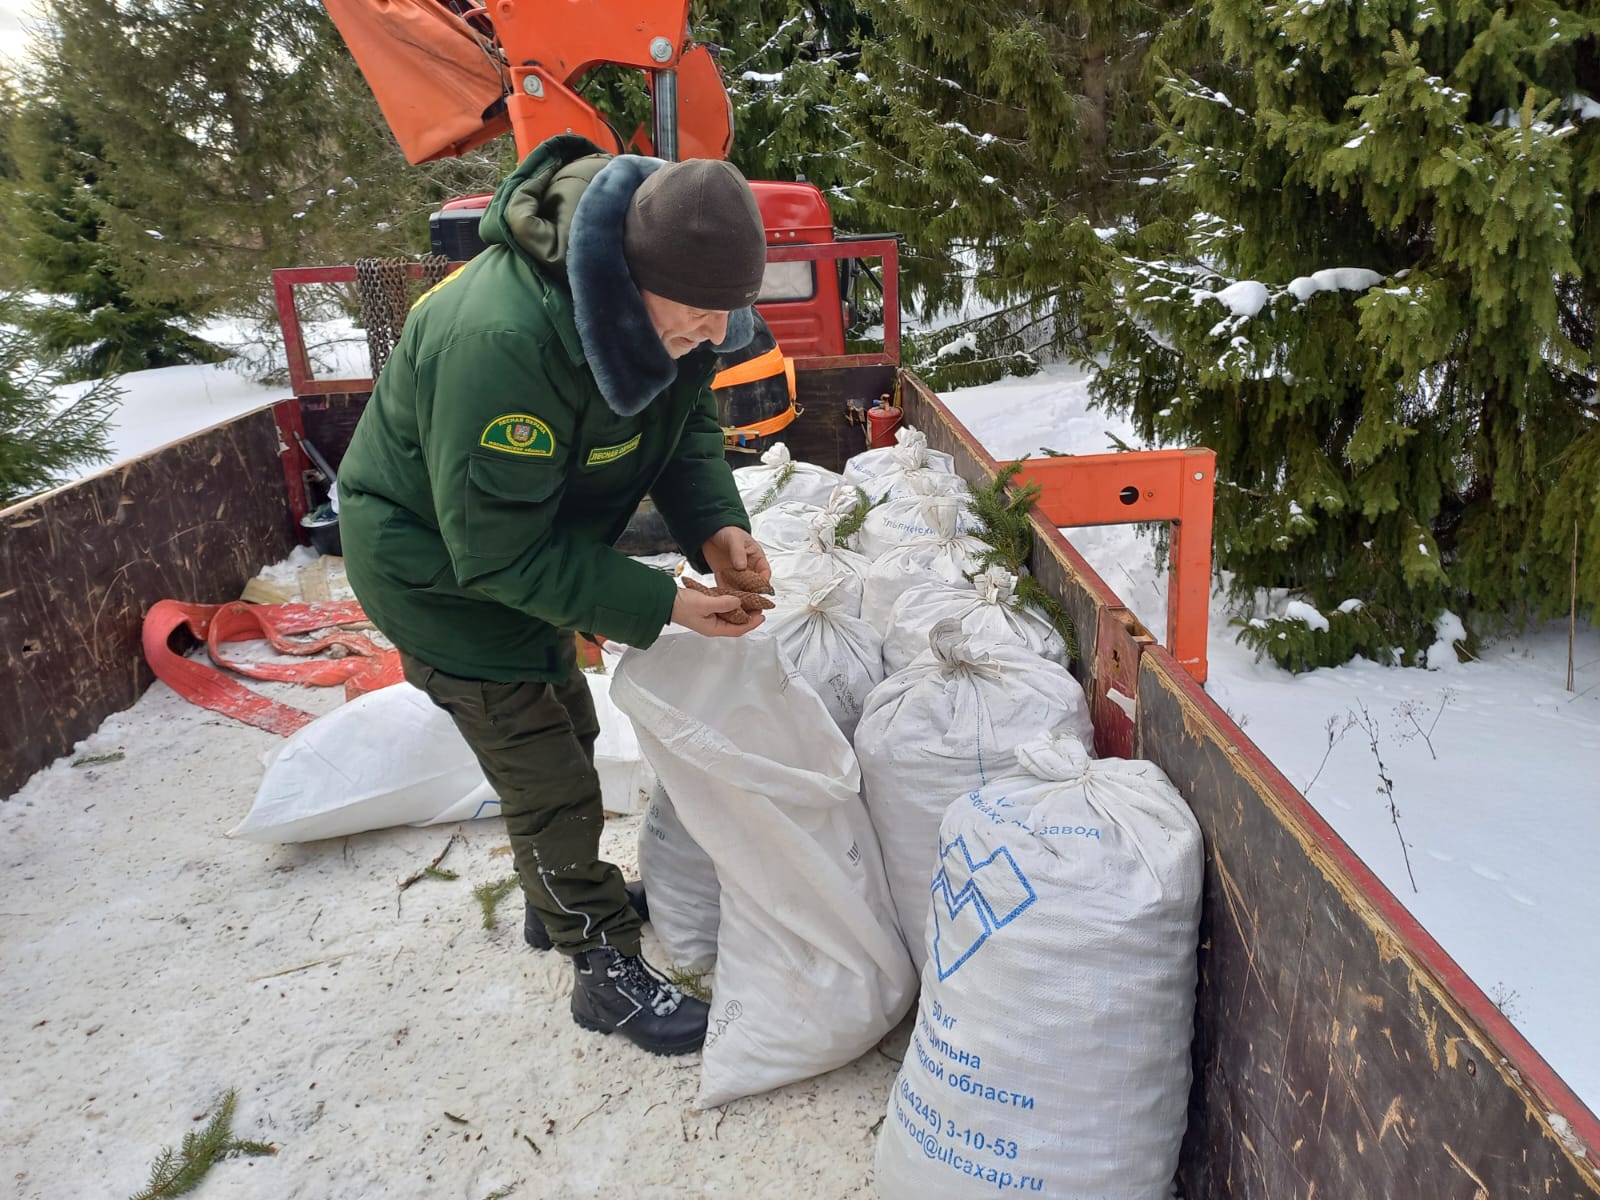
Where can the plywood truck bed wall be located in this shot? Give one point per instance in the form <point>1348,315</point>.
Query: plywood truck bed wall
<point>79,567</point>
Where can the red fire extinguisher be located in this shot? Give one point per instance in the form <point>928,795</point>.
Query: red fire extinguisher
<point>883,418</point>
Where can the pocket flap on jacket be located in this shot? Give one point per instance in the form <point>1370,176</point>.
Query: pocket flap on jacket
<point>527,480</point>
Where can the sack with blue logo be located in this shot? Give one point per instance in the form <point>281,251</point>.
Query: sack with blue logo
<point>948,723</point>
<point>1050,1053</point>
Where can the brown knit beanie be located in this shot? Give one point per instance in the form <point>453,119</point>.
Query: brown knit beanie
<point>693,234</point>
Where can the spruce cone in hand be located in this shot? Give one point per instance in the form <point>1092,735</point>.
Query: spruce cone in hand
<point>749,602</point>
<point>749,581</point>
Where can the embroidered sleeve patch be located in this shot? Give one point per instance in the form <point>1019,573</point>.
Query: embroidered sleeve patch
<point>519,433</point>
<point>601,455</point>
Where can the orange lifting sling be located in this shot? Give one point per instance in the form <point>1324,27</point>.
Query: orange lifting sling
<point>762,366</point>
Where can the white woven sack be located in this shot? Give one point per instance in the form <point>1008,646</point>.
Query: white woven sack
<point>811,971</point>
<point>394,757</point>
<point>987,609</point>
<point>879,472</point>
<point>681,882</point>
<point>947,724</point>
<point>901,519</point>
<point>784,526</point>
<point>1051,1049</point>
<point>836,652</point>
<point>390,757</point>
<point>781,477</point>
<point>787,524</point>
<point>797,572</point>
<point>946,555</point>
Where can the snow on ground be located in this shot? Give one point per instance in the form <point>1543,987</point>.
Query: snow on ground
<point>1501,812</point>
<point>389,1045</point>
<point>383,1040</point>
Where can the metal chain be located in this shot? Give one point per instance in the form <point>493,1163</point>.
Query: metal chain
<point>384,287</point>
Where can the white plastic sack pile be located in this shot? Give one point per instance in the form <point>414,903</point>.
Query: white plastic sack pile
<point>836,652</point>
<point>796,572</point>
<point>393,757</point>
<point>682,885</point>
<point>781,477</point>
<point>901,520</point>
<point>1052,1039</point>
<point>881,473</point>
<point>811,971</point>
<point>946,725</point>
<point>787,524</point>
<point>945,555</point>
<point>987,610</point>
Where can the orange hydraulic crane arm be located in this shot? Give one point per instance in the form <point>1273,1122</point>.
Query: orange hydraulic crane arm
<point>450,76</point>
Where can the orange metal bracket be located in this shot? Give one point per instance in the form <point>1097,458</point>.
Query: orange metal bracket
<point>1149,485</point>
<point>541,106</point>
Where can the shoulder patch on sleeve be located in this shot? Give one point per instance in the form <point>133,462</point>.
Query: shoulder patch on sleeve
<point>519,433</point>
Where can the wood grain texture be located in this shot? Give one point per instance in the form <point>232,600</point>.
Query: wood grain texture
<point>79,567</point>
<point>1338,1051</point>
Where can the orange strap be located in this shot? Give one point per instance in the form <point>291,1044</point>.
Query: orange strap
<point>368,667</point>
<point>738,436</point>
<point>762,366</point>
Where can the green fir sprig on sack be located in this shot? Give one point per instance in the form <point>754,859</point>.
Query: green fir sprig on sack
<point>851,522</point>
<point>1005,524</point>
<point>779,482</point>
<point>179,1172</point>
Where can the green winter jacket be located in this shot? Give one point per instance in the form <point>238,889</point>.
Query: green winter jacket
<point>527,409</point>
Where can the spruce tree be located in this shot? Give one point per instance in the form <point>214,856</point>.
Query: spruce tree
<point>786,65</point>
<point>95,326</point>
<point>999,138</point>
<point>231,139</point>
<point>43,434</point>
<point>1379,311</point>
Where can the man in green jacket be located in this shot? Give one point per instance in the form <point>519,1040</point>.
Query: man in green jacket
<point>535,397</point>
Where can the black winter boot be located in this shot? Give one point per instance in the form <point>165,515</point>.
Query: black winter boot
<point>615,992</point>
<point>535,934</point>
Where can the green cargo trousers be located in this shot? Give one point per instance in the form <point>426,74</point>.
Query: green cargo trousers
<point>535,743</point>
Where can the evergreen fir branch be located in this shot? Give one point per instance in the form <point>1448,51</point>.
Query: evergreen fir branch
<point>1005,524</point>
<point>779,482</point>
<point>489,895</point>
<point>179,1172</point>
<point>691,983</point>
<point>851,522</point>
<point>1032,594</point>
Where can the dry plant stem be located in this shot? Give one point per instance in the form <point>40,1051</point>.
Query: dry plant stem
<point>433,866</point>
<point>1336,732</point>
<point>1572,613</point>
<point>1385,786</point>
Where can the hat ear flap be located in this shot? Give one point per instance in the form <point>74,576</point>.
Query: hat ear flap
<point>741,328</point>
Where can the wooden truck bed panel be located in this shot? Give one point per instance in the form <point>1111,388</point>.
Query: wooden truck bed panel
<point>79,566</point>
